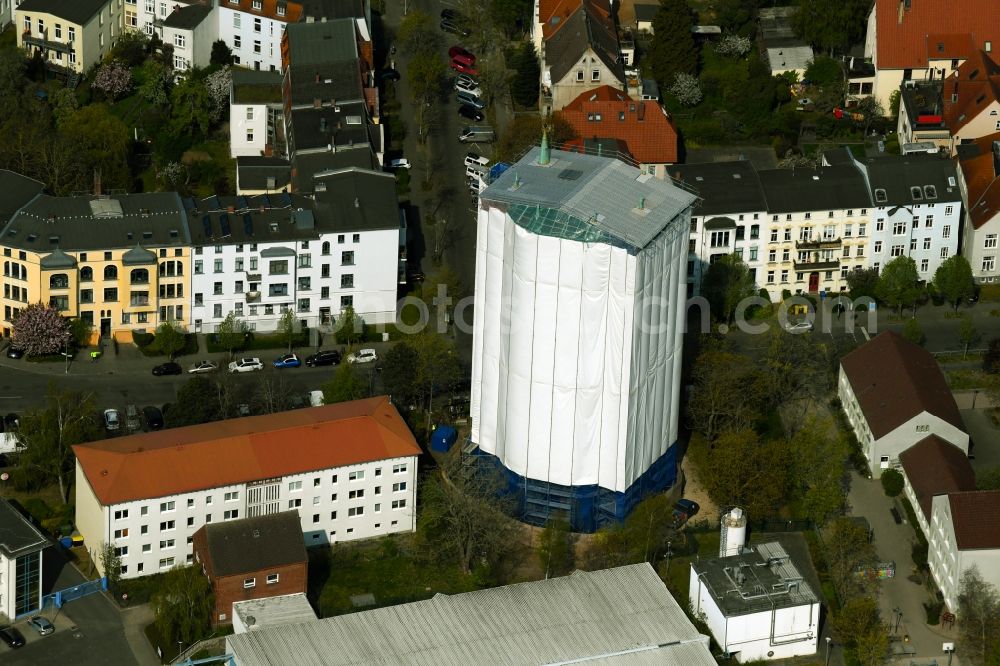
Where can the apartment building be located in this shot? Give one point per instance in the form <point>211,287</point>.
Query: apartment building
<point>964,533</point>
<point>253,30</point>
<point>348,469</point>
<point>120,263</point>
<point>191,30</point>
<point>256,120</point>
<point>71,36</point>
<point>979,180</point>
<point>260,256</point>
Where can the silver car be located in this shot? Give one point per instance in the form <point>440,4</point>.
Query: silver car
<point>41,625</point>
<point>112,419</point>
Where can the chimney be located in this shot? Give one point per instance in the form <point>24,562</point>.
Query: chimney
<point>641,111</point>
<point>97,182</point>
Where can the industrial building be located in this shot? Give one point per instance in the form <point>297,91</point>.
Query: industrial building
<point>579,318</point>
<point>622,616</point>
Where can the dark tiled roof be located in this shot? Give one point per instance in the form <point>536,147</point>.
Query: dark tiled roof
<point>17,535</point>
<point>344,125</point>
<point>188,17</point>
<point>358,199</point>
<point>74,11</point>
<point>305,167</point>
<point>936,467</point>
<point>57,259</point>
<point>252,86</point>
<point>322,42</point>
<point>803,189</point>
<point>895,380</point>
<point>252,173</point>
<point>898,174</point>
<point>584,29</point>
<point>724,187</point>
<point>259,218</point>
<point>16,191</point>
<point>253,544</point>
<point>333,9</point>
<point>975,517</point>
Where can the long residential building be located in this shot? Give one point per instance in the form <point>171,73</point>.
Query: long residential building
<point>70,35</point>
<point>348,469</point>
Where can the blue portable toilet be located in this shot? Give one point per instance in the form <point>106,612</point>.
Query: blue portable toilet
<point>443,438</point>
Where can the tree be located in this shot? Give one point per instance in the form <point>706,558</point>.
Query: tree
<point>978,617</point>
<point>345,385</point>
<point>847,549</point>
<point>913,332</point>
<point>860,626</point>
<point>399,374</point>
<point>169,338</point>
<point>831,24</point>
<point>183,605</point>
<point>723,396</point>
<point>953,278</point>
<point>673,49</point>
<point>462,515</point>
<point>742,469</point>
<point>130,48</point>
<point>231,333</point>
<point>862,283</point>
<point>871,111</point>
<point>272,394</point>
<point>727,282</point>
<point>555,547</point>
<point>824,71</point>
<point>988,479</point>
<point>437,364</point>
<point>221,55</point>
<point>191,108</point>
<point>892,482</point>
<point>48,434</point>
<point>686,89</point>
<point>64,102</point>
<point>156,84</point>
<point>218,84</point>
<point>524,131</point>
<point>80,329</point>
<point>817,469</point>
<point>734,46</point>
<point>102,142</point>
<point>418,33</point>
<point>797,371</point>
<point>509,16</point>
<point>288,328</point>
<point>897,284</point>
<point>111,566</point>
<point>968,334</point>
<point>427,75</point>
<point>39,330</point>
<point>197,402</point>
<point>350,327</point>
<point>524,88</point>
<point>114,79</point>
<point>991,360</point>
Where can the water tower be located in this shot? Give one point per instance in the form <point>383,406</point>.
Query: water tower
<point>733,535</point>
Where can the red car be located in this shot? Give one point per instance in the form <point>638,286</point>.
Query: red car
<point>464,68</point>
<point>457,51</point>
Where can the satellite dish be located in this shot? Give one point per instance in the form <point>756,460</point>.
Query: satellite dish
<point>251,620</point>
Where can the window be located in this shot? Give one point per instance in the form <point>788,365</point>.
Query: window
<point>305,261</point>
<point>772,255</point>
<point>121,514</point>
<point>167,506</point>
<point>944,253</point>
<point>272,579</point>
<point>399,487</point>
<point>579,75</point>
<point>278,267</point>
<point>166,543</point>
<point>860,252</point>
<point>946,231</point>
<point>250,135</point>
<point>788,234</point>
<point>896,251</point>
<point>232,514</point>
<point>770,277</point>
<point>774,235</point>
<point>784,276</point>
<point>948,210</point>
<point>179,41</point>
<point>753,254</point>
<point>399,469</point>
<point>990,241</point>
<point>356,511</point>
<point>913,244</point>
<point>354,494</point>
<point>249,582</point>
<point>719,239</point>
<point>878,246</point>
<point>924,265</point>
<point>595,75</point>
<point>399,504</point>
<point>989,263</point>
<point>256,46</point>
<point>217,310</point>
<point>899,228</point>
<point>147,547</point>
<point>929,221</point>
<point>167,525</point>
<point>294,486</point>
<point>294,503</point>
<point>237,42</point>
<point>236,19</point>
<point>166,562</point>
<point>199,267</point>
<point>233,496</point>
<point>355,238</point>
<point>121,534</point>
<point>347,281</point>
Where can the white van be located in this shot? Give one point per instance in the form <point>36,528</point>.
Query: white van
<point>472,159</point>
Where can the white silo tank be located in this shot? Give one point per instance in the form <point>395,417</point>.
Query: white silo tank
<point>734,532</point>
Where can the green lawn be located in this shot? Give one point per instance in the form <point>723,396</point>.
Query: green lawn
<point>385,569</point>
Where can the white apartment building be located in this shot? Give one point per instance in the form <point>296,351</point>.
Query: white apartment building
<point>255,113</point>
<point>964,533</point>
<point>918,211</point>
<point>349,469</point>
<point>979,180</point>
<point>191,30</point>
<point>258,256</point>
<point>894,395</point>
<point>253,29</point>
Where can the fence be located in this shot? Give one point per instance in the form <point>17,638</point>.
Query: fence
<point>76,592</point>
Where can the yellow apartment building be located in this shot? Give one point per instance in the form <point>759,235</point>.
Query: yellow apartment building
<point>72,35</point>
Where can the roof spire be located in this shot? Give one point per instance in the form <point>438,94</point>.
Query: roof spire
<point>543,155</point>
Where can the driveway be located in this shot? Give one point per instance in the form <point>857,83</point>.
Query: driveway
<point>893,542</point>
<point>985,438</point>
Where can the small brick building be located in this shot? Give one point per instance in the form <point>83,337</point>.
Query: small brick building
<point>253,558</point>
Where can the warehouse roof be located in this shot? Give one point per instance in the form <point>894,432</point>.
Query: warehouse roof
<point>724,187</point>
<point>894,380</point>
<point>236,547</point>
<point>210,455</point>
<point>615,616</point>
<point>590,199</point>
<point>17,535</point>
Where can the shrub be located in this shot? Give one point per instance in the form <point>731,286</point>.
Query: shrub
<point>919,554</point>
<point>892,483</point>
<point>933,610</point>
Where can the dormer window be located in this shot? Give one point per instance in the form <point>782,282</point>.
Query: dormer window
<point>916,193</point>
<point>258,5</point>
<point>930,192</point>
<point>880,196</point>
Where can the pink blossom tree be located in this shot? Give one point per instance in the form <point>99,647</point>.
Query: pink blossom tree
<point>114,79</point>
<point>39,329</point>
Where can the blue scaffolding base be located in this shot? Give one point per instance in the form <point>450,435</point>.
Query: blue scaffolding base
<point>588,508</point>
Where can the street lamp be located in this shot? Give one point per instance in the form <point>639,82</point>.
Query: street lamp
<point>180,648</point>
<point>899,615</point>
<point>828,642</point>
<point>950,649</point>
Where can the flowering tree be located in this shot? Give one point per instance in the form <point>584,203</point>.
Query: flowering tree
<point>218,84</point>
<point>114,79</point>
<point>39,329</point>
<point>686,89</point>
<point>734,46</point>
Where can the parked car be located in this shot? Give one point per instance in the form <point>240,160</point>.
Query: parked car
<point>684,510</point>
<point>246,365</point>
<point>112,419</point>
<point>449,14</point>
<point>323,357</point>
<point>203,366</point>
<point>363,356</point>
<point>461,53</point>
<point>467,79</point>
<point>153,418</point>
<point>14,352</point>
<point>41,625</point>
<point>468,86</point>
<point>287,361</point>
<point>170,368</point>
<point>454,28</point>
<point>132,421</point>
<point>475,159</point>
<point>470,99</point>
<point>401,163</point>
<point>11,422</point>
<point>390,75</point>
<point>464,68</point>
<point>12,637</point>
<point>799,326</point>
<point>470,112</point>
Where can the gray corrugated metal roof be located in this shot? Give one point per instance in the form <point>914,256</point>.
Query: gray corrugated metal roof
<point>616,616</point>
<point>606,195</point>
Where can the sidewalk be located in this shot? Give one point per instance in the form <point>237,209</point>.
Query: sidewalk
<point>129,360</point>
<point>893,542</point>
<point>135,620</point>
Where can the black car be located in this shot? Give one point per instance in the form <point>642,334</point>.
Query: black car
<point>153,418</point>
<point>390,75</point>
<point>470,112</point>
<point>454,28</point>
<point>449,14</point>
<point>329,357</point>
<point>167,369</point>
<point>12,637</point>
<point>14,352</point>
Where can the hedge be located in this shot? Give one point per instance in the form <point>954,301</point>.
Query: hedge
<point>254,341</point>
<point>146,342</point>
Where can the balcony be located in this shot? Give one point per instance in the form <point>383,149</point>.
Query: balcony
<point>253,296</point>
<point>819,243</point>
<point>138,301</point>
<point>42,41</point>
<point>253,277</point>
<point>817,265</point>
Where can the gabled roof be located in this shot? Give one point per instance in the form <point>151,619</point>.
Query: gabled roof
<point>210,455</point>
<point>973,87</point>
<point>980,163</point>
<point>936,467</point>
<point>290,12</point>
<point>609,113</point>
<point>905,180</point>
<point>585,29</point>
<point>57,259</point>
<point>139,256</point>
<point>904,30</point>
<point>245,546</point>
<point>188,17</point>
<point>895,380</point>
<point>975,519</point>
<point>552,14</point>
<point>724,187</point>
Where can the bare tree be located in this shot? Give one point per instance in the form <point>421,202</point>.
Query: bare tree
<point>273,394</point>
<point>722,397</point>
<point>978,617</point>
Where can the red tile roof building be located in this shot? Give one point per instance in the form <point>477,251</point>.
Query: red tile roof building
<point>348,468</point>
<point>979,163</point>
<point>970,96</point>
<point>964,533</point>
<point>934,467</point>
<point>643,128</point>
